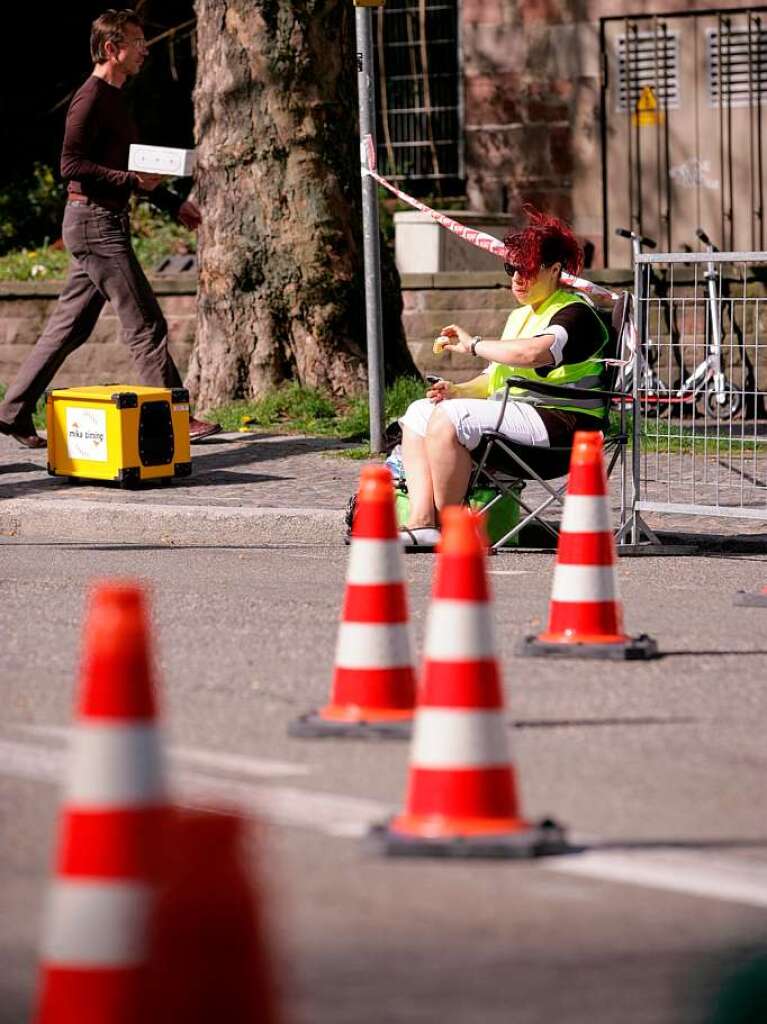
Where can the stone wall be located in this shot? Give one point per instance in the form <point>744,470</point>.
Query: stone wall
<point>25,307</point>
<point>480,302</point>
<point>532,110</point>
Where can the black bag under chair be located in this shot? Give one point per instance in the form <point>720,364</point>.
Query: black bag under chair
<point>506,467</point>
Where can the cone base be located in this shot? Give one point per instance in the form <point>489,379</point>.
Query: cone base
<point>631,648</point>
<point>314,725</point>
<point>531,840</point>
<point>747,599</point>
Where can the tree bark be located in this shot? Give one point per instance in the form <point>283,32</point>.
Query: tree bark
<point>281,273</point>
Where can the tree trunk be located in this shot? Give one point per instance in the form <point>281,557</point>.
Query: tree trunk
<point>281,273</point>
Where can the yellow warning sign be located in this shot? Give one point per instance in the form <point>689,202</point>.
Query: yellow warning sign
<point>647,112</point>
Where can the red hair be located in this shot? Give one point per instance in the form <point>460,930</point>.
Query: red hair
<point>546,240</point>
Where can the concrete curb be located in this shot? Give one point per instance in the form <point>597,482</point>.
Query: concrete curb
<point>134,523</point>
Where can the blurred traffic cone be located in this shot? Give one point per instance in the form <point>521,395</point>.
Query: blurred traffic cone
<point>586,614</point>
<point>462,798</point>
<point>373,689</point>
<point>94,945</point>
<point>751,598</point>
<point>208,957</point>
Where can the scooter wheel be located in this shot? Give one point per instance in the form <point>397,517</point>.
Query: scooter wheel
<point>729,409</point>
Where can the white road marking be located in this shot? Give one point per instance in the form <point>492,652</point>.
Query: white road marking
<point>238,764</point>
<point>690,872</point>
<point>216,760</point>
<point>330,813</point>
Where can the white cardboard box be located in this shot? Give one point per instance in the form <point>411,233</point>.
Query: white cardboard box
<point>176,163</point>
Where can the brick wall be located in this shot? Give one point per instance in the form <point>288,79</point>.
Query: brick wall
<point>531,99</point>
<point>25,307</point>
<point>480,302</point>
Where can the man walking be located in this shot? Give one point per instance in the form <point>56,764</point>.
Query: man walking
<point>99,131</point>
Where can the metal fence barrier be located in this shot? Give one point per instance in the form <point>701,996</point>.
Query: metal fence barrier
<point>699,380</point>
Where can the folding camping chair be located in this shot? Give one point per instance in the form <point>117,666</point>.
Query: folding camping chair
<point>505,466</point>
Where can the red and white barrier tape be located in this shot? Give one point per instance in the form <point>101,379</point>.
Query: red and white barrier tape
<point>478,238</point>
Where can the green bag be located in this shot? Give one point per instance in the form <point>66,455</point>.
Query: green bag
<point>502,517</point>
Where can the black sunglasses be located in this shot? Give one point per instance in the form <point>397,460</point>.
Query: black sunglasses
<point>512,268</point>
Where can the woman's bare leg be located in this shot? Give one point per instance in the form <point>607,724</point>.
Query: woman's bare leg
<point>448,461</point>
<point>418,476</point>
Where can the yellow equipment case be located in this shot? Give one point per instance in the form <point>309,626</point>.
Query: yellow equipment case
<point>118,432</point>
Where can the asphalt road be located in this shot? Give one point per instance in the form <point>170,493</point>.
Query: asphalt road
<point>659,767</point>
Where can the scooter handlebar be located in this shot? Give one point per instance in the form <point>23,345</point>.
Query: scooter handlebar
<point>642,239</point>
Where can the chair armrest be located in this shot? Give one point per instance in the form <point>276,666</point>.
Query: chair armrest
<point>557,391</point>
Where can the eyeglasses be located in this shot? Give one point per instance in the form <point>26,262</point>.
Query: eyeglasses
<point>514,268</point>
<point>140,43</point>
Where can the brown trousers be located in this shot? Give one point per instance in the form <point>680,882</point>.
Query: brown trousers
<point>104,269</point>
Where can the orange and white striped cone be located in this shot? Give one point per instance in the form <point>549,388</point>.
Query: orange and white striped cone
<point>586,614</point>
<point>112,827</point>
<point>751,598</point>
<point>373,691</point>
<point>210,958</point>
<point>462,797</point>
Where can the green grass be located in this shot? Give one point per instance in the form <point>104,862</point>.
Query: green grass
<point>664,436</point>
<point>154,238</point>
<point>293,409</point>
<point>34,264</point>
<point>38,415</point>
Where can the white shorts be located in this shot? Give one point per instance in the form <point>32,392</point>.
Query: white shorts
<point>472,416</point>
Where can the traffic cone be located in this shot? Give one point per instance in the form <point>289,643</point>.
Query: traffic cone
<point>586,614</point>
<point>373,691</point>
<point>462,797</point>
<point>209,960</point>
<point>751,599</point>
<point>111,832</point>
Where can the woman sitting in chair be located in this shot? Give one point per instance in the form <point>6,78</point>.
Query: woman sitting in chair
<point>554,336</point>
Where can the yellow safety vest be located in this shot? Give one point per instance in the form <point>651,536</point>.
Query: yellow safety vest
<point>586,375</point>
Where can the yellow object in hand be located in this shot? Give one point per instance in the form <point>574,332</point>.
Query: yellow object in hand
<point>439,344</point>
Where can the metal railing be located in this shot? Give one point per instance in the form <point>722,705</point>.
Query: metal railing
<point>699,381</point>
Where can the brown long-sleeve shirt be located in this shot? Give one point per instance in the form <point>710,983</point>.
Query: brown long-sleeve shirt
<point>98,133</point>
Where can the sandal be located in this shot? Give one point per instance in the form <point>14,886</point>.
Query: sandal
<point>419,538</point>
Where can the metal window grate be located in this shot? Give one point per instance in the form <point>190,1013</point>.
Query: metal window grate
<point>737,66</point>
<point>648,59</point>
<point>420,130</point>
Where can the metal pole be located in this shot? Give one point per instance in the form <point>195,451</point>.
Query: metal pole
<point>603,101</point>
<point>370,230</point>
<point>640,321</point>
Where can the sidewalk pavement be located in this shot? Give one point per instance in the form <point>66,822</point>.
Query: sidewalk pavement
<point>245,490</point>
